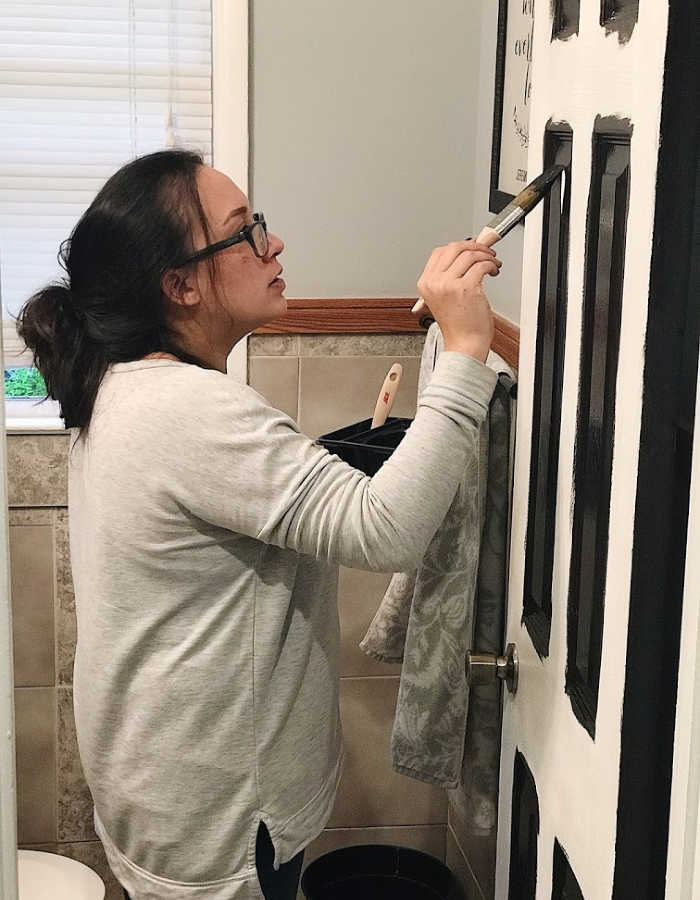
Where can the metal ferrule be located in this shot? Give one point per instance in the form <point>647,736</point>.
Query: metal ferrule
<point>507,218</point>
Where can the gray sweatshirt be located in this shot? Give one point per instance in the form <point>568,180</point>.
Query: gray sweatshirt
<point>206,534</point>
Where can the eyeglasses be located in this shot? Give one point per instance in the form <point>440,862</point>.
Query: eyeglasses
<point>255,234</point>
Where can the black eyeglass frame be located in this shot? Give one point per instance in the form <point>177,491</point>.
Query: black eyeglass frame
<point>245,234</point>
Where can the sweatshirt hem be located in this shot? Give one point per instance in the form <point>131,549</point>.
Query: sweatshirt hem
<point>312,817</point>
<point>303,826</point>
<point>144,885</point>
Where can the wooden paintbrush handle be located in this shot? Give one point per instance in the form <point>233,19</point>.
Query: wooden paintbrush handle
<point>488,236</point>
<point>386,396</point>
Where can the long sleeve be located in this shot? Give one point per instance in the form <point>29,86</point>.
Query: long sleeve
<point>237,462</point>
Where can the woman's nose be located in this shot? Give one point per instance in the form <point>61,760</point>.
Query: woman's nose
<point>276,244</point>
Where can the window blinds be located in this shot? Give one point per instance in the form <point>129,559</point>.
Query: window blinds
<point>85,86</point>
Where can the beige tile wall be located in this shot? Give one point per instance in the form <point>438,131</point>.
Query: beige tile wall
<point>323,382</point>
<point>54,807</point>
<point>326,382</point>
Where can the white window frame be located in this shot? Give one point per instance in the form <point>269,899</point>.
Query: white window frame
<point>230,154</point>
<point>230,137</point>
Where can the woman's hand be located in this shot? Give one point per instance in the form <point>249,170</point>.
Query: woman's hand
<point>451,287</point>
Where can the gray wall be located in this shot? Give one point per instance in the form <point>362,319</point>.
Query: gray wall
<point>371,140</point>
<point>363,129</point>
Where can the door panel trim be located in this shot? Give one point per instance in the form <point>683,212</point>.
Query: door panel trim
<point>547,394</point>
<point>606,229</point>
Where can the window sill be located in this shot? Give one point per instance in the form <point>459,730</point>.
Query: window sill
<point>29,417</point>
<point>46,425</point>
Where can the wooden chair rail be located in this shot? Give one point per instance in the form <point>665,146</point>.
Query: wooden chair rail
<point>341,315</point>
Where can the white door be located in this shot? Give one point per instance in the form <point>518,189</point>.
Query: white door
<point>596,107</point>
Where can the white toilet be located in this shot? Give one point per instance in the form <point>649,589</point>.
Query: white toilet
<point>47,876</point>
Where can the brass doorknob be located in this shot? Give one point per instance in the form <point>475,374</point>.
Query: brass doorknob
<point>482,668</point>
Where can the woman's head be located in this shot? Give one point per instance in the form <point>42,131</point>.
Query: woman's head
<point>127,292</point>
<point>226,294</point>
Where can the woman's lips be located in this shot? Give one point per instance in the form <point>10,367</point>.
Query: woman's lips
<point>278,283</point>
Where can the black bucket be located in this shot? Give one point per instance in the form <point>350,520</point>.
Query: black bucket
<point>364,447</point>
<point>379,872</point>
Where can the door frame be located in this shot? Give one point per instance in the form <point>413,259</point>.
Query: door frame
<point>663,495</point>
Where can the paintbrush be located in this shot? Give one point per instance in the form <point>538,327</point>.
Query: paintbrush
<point>513,213</point>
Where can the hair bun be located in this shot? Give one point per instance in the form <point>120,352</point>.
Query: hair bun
<point>65,301</point>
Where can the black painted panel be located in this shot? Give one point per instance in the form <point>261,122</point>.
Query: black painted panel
<point>565,18</point>
<point>525,826</point>
<point>564,883</point>
<point>549,375</point>
<point>600,342</point>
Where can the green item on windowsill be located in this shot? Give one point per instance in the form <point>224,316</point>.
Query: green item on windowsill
<point>24,382</point>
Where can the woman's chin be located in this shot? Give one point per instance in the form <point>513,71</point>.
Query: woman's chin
<point>274,311</point>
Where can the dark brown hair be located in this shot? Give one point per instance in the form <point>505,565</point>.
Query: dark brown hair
<point>109,307</point>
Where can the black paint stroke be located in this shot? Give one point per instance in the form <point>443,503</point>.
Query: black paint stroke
<point>564,883</point>
<point>524,828</point>
<point>565,18</point>
<point>620,17</point>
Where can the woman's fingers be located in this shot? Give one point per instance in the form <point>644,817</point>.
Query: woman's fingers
<point>467,258</point>
<point>448,264</point>
<point>445,256</point>
<point>475,273</point>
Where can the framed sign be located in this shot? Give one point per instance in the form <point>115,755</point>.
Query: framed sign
<point>511,107</point>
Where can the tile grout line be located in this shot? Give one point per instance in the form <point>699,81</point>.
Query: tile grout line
<point>54,517</point>
<point>465,858</point>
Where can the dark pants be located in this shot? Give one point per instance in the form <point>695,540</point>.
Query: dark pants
<point>281,885</point>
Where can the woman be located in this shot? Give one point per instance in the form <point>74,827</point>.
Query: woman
<point>206,531</point>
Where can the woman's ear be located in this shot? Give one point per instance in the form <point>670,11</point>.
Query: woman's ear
<point>180,287</point>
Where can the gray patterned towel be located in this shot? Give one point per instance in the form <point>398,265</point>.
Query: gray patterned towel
<point>454,602</point>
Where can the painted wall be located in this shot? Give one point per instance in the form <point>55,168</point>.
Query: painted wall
<point>363,127</point>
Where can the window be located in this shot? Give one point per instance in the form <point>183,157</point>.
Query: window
<point>84,88</point>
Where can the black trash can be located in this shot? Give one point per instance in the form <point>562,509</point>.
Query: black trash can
<point>379,872</point>
<point>364,447</point>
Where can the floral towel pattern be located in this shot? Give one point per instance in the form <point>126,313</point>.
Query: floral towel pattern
<point>455,601</point>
